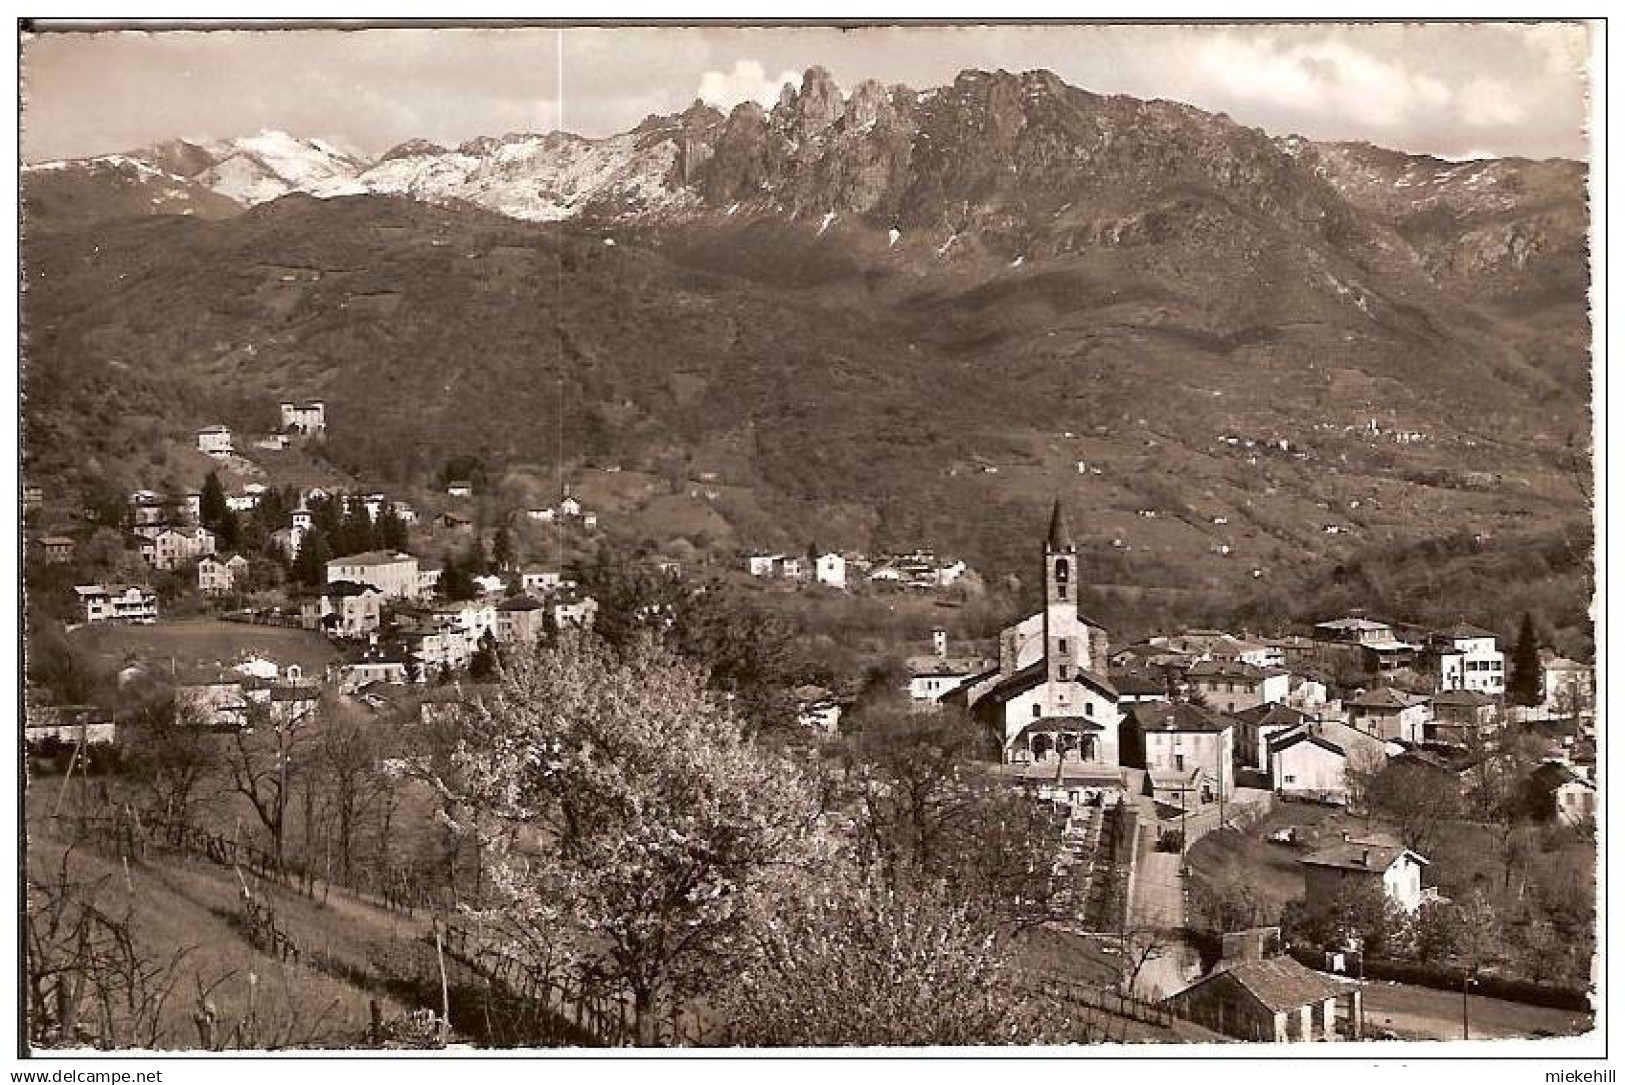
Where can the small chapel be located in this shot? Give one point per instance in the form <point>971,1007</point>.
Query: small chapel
<point>1050,699</point>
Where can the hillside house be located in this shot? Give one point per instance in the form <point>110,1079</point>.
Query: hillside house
<point>1567,687</point>
<point>460,488</point>
<point>1389,714</point>
<point>472,618</point>
<point>244,502</point>
<point>1257,726</point>
<point>1466,657</point>
<point>1460,717</point>
<point>54,549</point>
<point>570,508</point>
<point>490,584</point>
<point>1330,872</point>
<point>214,441</point>
<point>392,572</point>
<point>573,611</point>
<point>930,677</point>
<point>1213,644</point>
<point>218,576</point>
<point>1230,687</point>
<point>1353,631</point>
<point>118,603</point>
<point>374,665</point>
<point>455,521</point>
<point>33,497</point>
<point>1564,794</point>
<point>521,620</point>
<point>543,516</point>
<point>763,564</point>
<point>817,709</point>
<point>540,580</point>
<point>69,725</point>
<point>307,419</point>
<point>1269,1000</point>
<point>1174,738</point>
<point>346,609</point>
<point>1312,763</point>
<point>173,547</point>
<point>214,695</point>
<point>830,569</point>
<point>288,704</point>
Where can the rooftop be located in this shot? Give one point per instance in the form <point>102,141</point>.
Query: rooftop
<point>372,557</point>
<point>1179,717</point>
<point>1281,984</point>
<point>1383,697</point>
<point>1359,855</point>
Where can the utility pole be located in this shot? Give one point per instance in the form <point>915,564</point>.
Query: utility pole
<point>1466,978</point>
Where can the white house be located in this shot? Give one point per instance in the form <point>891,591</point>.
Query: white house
<point>174,547</point>
<point>1567,686</point>
<point>830,569</point>
<point>817,709</point>
<point>1330,872</point>
<point>1313,762</point>
<point>763,564</point>
<point>391,572</point>
<point>459,488</point>
<point>118,603</point>
<point>1230,686</point>
<point>1176,738</point>
<point>537,580</point>
<point>214,441</point>
<point>308,419</point>
<point>1469,659</point>
<point>219,577</point>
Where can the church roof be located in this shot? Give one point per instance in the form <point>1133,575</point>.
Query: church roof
<point>1036,673</point>
<point>1060,534</point>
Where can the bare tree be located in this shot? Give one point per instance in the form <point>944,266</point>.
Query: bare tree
<point>264,762</point>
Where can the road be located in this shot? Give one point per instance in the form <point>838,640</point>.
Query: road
<point>1159,906</point>
<point>1430,1013</point>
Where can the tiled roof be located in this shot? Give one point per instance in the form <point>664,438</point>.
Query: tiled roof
<point>1281,984</point>
<point>1270,714</point>
<point>1382,697</point>
<point>371,557</point>
<point>1181,716</point>
<point>1034,674</point>
<point>1224,668</point>
<point>1359,855</point>
<point>1469,698</point>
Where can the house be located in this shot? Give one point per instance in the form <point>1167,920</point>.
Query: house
<point>1138,687</point>
<point>288,704</point>
<point>1215,644</point>
<point>1561,793</point>
<point>570,508</point>
<point>243,502</point>
<point>308,419</point>
<point>544,516</point>
<point>1179,790</point>
<point>1388,714</point>
<point>1269,1000</point>
<point>345,609</point>
<point>173,547</point>
<point>1233,686</point>
<point>455,521</point>
<point>1467,657</point>
<point>489,584</point>
<point>1312,762</point>
<point>215,696</point>
<point>1460,716</point>
<point>472,618</point>
<point>1147,654</point>
<point>1567,687</point>
<point>1306,694</point>
<point>1173,738</point>
<point>459,488</point>
<point>830,568</point>
<point>214,441</point>
<point>55,549</point>
<point>521,620</point>
<point>589,520</point>
<point>1330,872</point>
<point>374,665</point>
<point>571,611</point>
<point>437,648</point>
<point>539,580</point>
<point>217,576</point>
<point>930,677</point>
<point>258,666</point>
<point>33,497</point>
<point>1050,697</point>
<point>392,572</point>
<point>817,709</point>
<point>118,603</point>
<point>1353,631</point>
<point>763,564</point>
<point>69,725</point>
<point>1258,725</point>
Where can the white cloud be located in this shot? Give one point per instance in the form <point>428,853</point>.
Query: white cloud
<point>1326,76</point>
<point>1490,103</point>
<point>748,82</point>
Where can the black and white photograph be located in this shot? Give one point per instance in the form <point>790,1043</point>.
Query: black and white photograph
<point>1069,538</point>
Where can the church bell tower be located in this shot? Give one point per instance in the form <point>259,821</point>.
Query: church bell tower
<point>1062,630</point>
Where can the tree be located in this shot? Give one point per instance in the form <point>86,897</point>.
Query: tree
<point>484,662</point>
<point>502,549</point>
<point>1524,686</point>
<point>347,756</point>
<point>1416,799</point>
<point>859,962</point>
<point>169,753</point>
<point>456,581</point>
<point>264,761</point>
<point>212,508</point>
<point>310,564</point>
<point>389,529</point>
<point>626,805</point>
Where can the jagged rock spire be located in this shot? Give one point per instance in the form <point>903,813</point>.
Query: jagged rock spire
<point>1060,534</point>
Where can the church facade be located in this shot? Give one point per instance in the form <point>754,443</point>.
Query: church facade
<point>1050,700</point>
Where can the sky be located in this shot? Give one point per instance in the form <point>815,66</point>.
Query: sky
<point>1454,90</point>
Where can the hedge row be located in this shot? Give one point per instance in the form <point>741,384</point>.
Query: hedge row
<point>1448,978</point>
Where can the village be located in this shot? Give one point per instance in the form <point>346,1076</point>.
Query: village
<point>1169,763</point>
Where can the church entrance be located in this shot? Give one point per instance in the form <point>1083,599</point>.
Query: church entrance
<point>1041,747</point>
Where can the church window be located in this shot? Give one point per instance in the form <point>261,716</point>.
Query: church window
<point>1060,646</point>
<point>1060,590</point>
<point>1061,570</point>
<point>1089,708</point>
<point>1037,711</point>
<point>1061,672</point>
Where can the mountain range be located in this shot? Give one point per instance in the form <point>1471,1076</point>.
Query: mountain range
<point>882,313</point>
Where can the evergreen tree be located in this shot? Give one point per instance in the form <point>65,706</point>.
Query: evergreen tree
<point>356,532</point>
<point>502,549</point>
<point>388,529</point>
<point>456,580</point>
<point>228,532</point>
<point>212,506</point>
<point>1524,687</point>
<point>483,663</point>
<point>310,564</point>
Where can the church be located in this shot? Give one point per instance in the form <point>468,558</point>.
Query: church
<point>1050,700</point>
